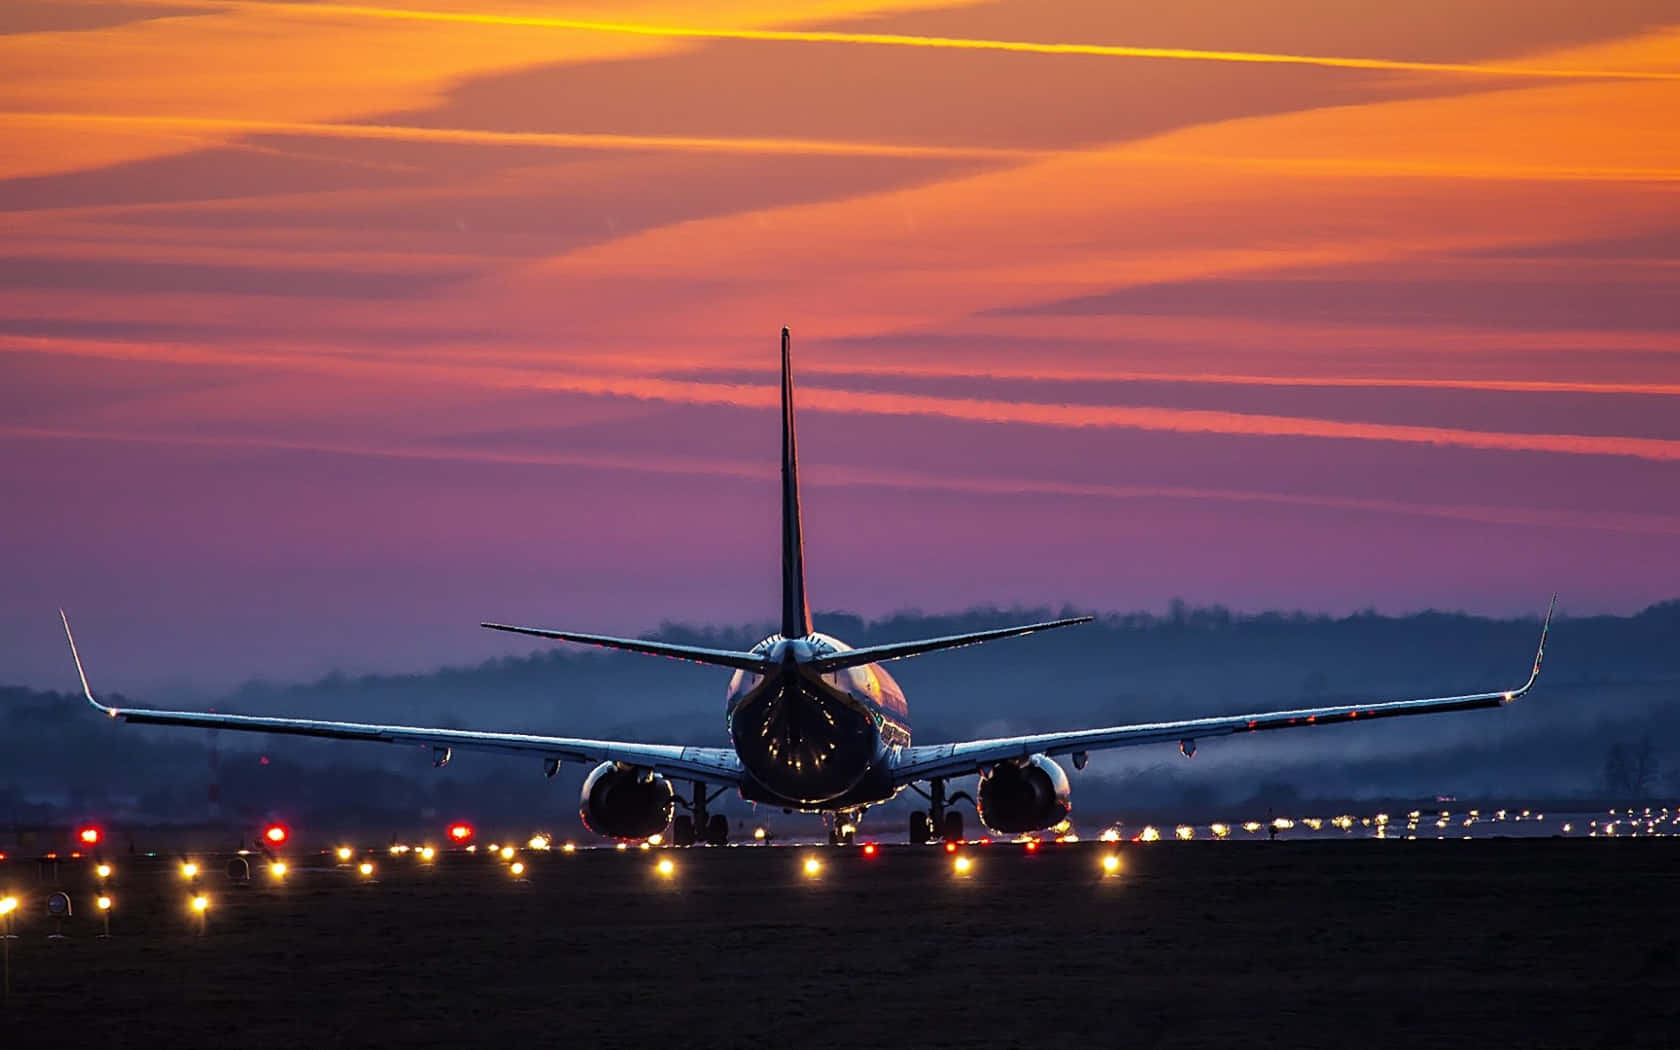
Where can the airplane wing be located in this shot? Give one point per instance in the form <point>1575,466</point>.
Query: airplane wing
<point>957,759</point>
<point>713,765</point>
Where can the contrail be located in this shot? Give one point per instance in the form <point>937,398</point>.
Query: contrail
<point>799,36</point>
<point>550,139</point>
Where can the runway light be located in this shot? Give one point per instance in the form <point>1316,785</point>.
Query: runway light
<point>950,847</point>
<point>813,866</point>
<point>366,868</point>
<point>276,834</point>
<point>507,852</point>
<point>8,905</point>
<point>622,846</point>
<point>460,832</point>
<point>961,865</point>
<point>1110,863</point>
<point>344,852</point>
<point>1032,845</point>
<point>517,868</point>
<point>104,903</point>
<point>666,868</point>
<point>90,836</point>
<point>201,904</point>
<point>427,853</point>
<point>103,871</point>
<point>759,833</point>
<point>189,870</point>
<point>540,842</point>
<point>568,848</point>
<point>278,869</point>
<point>869,849</point>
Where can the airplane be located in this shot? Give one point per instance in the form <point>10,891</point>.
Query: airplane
<point>816,726</point>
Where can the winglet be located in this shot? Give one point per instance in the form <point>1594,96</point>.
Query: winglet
<point>1539,654</point>
<point>87,691</point>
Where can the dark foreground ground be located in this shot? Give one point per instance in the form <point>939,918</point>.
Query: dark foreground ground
<point>1499,943</point>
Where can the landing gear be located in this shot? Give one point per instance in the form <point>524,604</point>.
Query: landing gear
<point>921,828</point>
<point>717,830</point>
<point>682,831</point>
<point>842,828</point>
<point>699,823</point>
<point>938,820</point>
<point>953,826</point>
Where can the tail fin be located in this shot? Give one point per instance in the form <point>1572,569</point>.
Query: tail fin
<point>796,613</point>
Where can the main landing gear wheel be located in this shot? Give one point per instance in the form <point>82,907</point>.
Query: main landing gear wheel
<point>921,828</point>
<point>717,830</point>
<point>682,831</point>
<point>953,826</point>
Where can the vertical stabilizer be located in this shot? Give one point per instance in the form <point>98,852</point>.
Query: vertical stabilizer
<point>796,614</point>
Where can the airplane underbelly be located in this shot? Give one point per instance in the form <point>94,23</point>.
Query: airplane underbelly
<point>803,745</point>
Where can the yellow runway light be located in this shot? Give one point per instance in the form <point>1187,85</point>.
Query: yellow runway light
<point>189,870</point>
<point>427,853</point>
<point>507,852</point>
<point>104,903</point>
<point>666,868</point>
<point>1110,863</point>
<point>538,842</point>
<point>813,866</point>
<point>201,904</point>
<point>517,868</point>
<point>366,868</point>
<point>8,905</point>
<point>962,864</point>
<point>344,852</point>
<point>278,869</point>
<point>103,871</point>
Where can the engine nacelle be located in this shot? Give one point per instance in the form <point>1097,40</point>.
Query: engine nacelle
<point>1018,797</point>
<point>626,802</point>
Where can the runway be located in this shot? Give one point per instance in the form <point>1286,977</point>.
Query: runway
<point>1519,942</point>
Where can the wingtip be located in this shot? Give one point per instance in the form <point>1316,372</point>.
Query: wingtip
<point>81,673</point>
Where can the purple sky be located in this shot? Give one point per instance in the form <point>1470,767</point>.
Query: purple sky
<point>326,334</point>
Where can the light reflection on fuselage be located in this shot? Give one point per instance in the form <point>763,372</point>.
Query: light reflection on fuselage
<point>808,740</point>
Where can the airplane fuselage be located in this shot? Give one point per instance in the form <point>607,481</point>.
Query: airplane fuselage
<point>814,741</point>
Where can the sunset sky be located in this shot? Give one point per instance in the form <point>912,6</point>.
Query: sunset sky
<point>329,330</point>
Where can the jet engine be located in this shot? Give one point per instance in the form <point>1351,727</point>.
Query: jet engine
<point>1021,796</point>
<point>626,802</point>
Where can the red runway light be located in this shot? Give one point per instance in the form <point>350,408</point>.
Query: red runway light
<point>276,834</point>
<point>869,849</point>
<point>460,832</point>
<point>1032,845</point>
<point>950,847</point>
<point>89,836</point>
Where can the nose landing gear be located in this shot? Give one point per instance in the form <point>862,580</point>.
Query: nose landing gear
<point>842,827</point>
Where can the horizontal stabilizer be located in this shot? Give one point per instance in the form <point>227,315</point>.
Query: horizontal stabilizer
<point>741,661</point>
<point>875,654</point>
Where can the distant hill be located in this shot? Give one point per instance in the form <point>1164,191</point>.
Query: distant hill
<point>1608,680</point>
